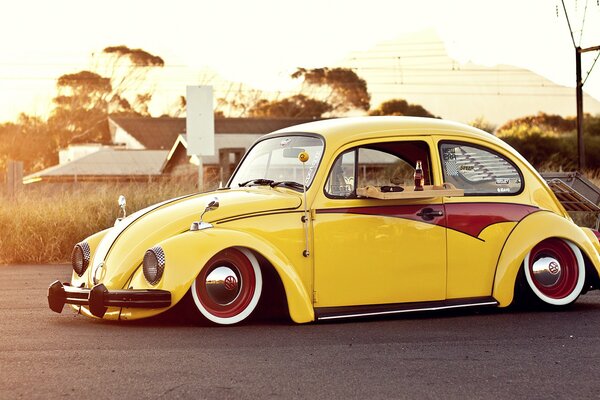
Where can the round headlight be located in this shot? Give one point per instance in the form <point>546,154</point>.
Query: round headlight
<point>154,265</point>
<point>80,257</point>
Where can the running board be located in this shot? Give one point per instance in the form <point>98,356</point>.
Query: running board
<point>327,313</point>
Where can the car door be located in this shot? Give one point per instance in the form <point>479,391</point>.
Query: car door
<point>479,223</point>
<point>372,251</point>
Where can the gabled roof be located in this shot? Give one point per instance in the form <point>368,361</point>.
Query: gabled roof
<point>161,133</point>
<point>152,133</point>
<point>229,141</point>
<point>107,162</point>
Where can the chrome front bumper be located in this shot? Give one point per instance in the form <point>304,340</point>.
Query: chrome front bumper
<point>99,298</point>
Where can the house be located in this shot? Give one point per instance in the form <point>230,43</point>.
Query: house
<point>105,164</point>
<point>233,136</point>
<point>154,148</point>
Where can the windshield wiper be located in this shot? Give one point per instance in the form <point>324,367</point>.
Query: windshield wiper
<point>261,182</point>
<point>291,184</point>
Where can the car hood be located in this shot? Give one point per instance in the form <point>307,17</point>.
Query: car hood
<point>122,249</point>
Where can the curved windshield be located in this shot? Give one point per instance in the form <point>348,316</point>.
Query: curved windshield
<point>275,162</point>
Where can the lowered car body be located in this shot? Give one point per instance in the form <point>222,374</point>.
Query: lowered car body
<point>330,212</point>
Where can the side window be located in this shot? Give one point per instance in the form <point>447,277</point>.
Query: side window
<point>340,183</point>
<point>378,164</point>
<point>378,168</point>
<point>479,171</point>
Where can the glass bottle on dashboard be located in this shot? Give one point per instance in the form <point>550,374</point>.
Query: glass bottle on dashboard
<point>419,177</point>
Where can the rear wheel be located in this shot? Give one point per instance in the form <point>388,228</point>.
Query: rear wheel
<point>228,288</point>
<point>555,271</point>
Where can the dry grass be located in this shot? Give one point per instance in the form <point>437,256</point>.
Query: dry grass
<point>42,225</point>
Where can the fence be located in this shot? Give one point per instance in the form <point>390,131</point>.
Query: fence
<point>13,180</point>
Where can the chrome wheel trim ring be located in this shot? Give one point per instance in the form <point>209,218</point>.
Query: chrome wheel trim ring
<point>251,306</point>
<point>574,293</point>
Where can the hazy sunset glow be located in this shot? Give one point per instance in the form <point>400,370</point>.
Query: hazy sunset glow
<point>261,42</point>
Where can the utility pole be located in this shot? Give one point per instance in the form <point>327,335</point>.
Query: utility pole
<point>579,102</point>
<point>579,88</point>
<point>579,99</point>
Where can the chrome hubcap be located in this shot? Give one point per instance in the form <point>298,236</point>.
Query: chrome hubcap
<point>546,271</point>
<point>222,285</point>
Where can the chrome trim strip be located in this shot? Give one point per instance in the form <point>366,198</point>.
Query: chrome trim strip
<point>369,314</point>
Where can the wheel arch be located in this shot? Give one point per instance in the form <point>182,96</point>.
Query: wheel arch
<point>531,230</point>
<point>186,255</point>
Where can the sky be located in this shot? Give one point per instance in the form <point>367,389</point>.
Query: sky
<point>261,42</point>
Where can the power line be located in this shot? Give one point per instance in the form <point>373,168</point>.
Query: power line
<point>583,23</point>
<point>579,85</point>
<point>447,70</point>
<point>568,22</point>
<point>591,68</point>
<point>470,84</point>
<point>425,43</point>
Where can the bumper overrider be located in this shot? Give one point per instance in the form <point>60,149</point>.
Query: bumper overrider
<point>99,298</point>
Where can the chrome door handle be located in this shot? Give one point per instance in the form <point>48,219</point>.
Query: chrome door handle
<point>427,214</point>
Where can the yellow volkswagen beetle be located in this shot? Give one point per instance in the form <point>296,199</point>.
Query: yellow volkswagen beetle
<point>344,218</point>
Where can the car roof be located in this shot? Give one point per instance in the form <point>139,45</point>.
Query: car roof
<point>338,131</point>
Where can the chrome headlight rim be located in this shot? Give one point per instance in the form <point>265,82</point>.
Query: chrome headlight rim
<point>80,258</point>
<point>154,265</point>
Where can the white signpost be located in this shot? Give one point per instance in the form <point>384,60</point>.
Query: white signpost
<point>200,126</point>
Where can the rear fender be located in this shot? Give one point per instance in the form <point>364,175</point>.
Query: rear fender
<point>187,253</point>
<point>530,231</point>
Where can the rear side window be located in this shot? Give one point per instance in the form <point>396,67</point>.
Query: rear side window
<point>479,171</point>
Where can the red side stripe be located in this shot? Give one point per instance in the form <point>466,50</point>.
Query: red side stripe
<point>472,218</point>
<point>468,218</point>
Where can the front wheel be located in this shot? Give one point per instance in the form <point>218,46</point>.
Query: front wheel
<point>228,288</point>
<point>555,271</point>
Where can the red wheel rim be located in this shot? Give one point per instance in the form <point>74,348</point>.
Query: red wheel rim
<point>232,274</point>
<point>559,260</point>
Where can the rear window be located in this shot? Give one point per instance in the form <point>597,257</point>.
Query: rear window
<point>479,171</point>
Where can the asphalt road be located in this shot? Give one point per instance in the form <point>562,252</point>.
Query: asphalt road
<point>475,354</point>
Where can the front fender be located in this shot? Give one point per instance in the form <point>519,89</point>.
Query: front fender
<point>530,231</point>
<point>187,253</point>
<point>93,241</point>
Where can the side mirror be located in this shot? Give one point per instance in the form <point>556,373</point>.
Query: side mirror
<point>122,204</point>
<point>199,225</point>
<point>212,205</point>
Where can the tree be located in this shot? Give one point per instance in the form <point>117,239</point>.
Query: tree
<point>591,124</point>
<point>401,107</point>
<point>546,124</point>
<point>297,106</point>
<point>323,91</point>
<point>118,84</point>
<point>238,101</point>
<point>81,107</point>
<point>549,141</point>
<point>546,151</point>
<point>483,124</point>
<point>27,140</point>
<point>86,98</point>
<point>128,71</point>
<point>340,87</point>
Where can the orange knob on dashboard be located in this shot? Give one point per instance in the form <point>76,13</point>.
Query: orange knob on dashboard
<point>303,156</point>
